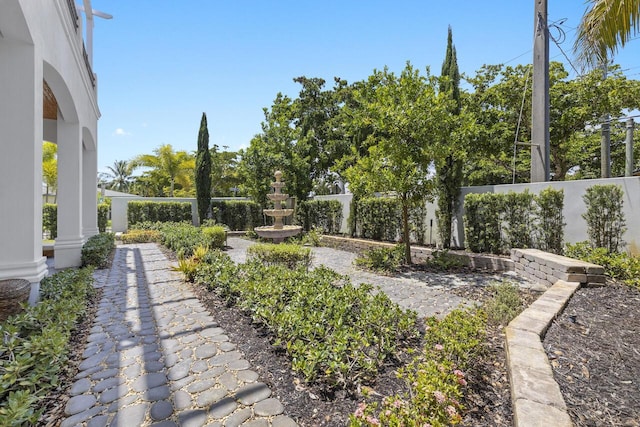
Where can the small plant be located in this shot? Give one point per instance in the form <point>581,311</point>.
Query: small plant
<point>287,254</point>
<point>96,250</point>
<point>436,378</point>
<point>312,237</point>
<point>444,261</point>
<point>35,345</point>
<point>188,266</point>
<point>382,259</point>
<point>141,236</point>
<point>621,266</point>
<point>215,236</point>
<point>506,303</point>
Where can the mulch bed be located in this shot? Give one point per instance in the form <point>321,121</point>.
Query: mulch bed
<point>594,346</point>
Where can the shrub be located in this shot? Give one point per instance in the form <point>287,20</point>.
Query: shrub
<point>290,255</point>
<point>50,219</point>
<point>332,331</point>
<point>311,238</point>
<point>141,236</point>
<point>96,250</point>
<point>141,211</point>
<point>497,222</point>
<point>322,215</point>
<point>189,266</point>
<point>517,215</point>
<point>103,216</point>
<point>550,223</point>
<point>444,261</point>
<point>378,218</point>
<point>238,214</point>
<point>382,258</point>
<point>482,225</point>
<point>619,266</point>
<point>182,238</point>
<point>604,216</point>
<point>506,303</point>
<point>216,236</point>
<point>436,377</point>
<point>35,345</point>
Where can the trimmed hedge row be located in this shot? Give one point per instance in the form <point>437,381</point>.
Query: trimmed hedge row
<point>380,218</point>
<point>323,215</point>
<point>238,214</point>
<point>142,211</point>
<point>497,222</point>
<point>50,219</point>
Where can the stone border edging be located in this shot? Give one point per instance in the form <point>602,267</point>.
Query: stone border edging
<point>421,253</point>
<point>535,395</point>
<point>547,268</point>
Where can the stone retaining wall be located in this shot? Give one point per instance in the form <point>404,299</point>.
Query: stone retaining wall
<point>421,253</point>
<point>547,268</point>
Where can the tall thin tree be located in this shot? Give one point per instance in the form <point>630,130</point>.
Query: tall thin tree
<point>203,171</point>
<point>449,167</point>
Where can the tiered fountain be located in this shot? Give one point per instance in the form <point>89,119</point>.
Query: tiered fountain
<point>278,231</point>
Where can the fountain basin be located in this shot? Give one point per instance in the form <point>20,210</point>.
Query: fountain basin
<point>278,234</point>
<point>277,212</point>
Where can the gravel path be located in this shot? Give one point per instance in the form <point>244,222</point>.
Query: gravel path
<point>424,292</point>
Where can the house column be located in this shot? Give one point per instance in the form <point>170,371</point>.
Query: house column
<point>69,242</point>
<point>21,164</point>
<point>89,192</point>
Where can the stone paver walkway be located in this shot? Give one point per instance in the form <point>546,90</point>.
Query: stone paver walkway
<point>156,357</point>
<point>426,293</point>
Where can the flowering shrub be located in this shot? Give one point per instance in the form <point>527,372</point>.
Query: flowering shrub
<point>436,378</point>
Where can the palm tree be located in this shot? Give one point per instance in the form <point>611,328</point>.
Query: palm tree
<point>605,26</point>
<point>119,176</point>
<point>177,167</point>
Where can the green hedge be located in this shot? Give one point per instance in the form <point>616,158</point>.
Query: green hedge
<point>323,215</point>
<point>50,219</point>
<point>380,218</point>
<point>103,216</point>
<point>142,211</point>
<point>96,250</point>
<point>288,254</point>
<point>35,345</point>
<point>238,214</point>
<point>497,222</point>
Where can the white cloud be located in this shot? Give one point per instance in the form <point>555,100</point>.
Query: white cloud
<point>121,132</point>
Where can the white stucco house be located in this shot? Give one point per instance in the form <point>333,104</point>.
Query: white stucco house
<point>47,92</point>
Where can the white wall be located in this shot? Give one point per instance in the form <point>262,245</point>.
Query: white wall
<point>576,228</point>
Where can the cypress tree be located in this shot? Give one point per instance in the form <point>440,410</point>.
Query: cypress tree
<point>449,169</point>
<point>203,171</point>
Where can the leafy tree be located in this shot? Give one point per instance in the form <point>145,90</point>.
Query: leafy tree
<point>407,119</point>
<point>225,178</point>
<point>575,113</point>
<point>119,177</point>
<point>275,149</point>
<point>607,25</point>
<point>203,171</point>
<point>449,166</point>
<point>166,169</point>
<point>50,166</point>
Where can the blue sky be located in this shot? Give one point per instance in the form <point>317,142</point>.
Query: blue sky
<point>161,63</point>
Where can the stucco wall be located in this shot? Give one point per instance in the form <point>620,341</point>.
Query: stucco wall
<point>576,228</point>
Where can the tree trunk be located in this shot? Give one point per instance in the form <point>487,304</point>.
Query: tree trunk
<point>405,231</point>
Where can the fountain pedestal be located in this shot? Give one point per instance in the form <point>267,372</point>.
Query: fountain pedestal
<point>278,231</point>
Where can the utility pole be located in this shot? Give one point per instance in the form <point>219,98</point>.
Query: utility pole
<point>540,108</point>
<point>605,139</point>
<point>629,148</point>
